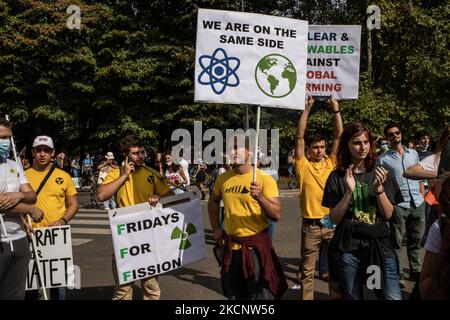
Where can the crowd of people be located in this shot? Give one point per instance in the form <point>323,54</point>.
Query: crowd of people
<point>358,204</point>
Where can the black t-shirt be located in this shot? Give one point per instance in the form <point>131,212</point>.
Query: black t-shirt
<point>363,207</point>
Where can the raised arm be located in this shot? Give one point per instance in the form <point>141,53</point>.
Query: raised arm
<point>301,127</point>
<point>338,127</point>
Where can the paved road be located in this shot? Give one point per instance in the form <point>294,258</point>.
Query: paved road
<point>92,248</point>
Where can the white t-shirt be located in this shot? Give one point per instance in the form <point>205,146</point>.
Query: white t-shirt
<point>434,240</point>
<point>184,165</point>
<point>11,177</point>
<point>430,163</point>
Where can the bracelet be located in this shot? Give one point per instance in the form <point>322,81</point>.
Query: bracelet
<point>338,110</point>
<point>379,193</point>
<point>65,221</point>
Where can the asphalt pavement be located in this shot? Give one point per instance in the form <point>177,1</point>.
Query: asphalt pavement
<point>92,251</point>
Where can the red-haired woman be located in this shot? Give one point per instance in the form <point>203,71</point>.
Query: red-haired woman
<point>360,195</point>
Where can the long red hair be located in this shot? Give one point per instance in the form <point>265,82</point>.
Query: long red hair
<point>344,157</point>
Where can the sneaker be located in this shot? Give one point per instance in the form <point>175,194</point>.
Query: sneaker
<point>324,276</point>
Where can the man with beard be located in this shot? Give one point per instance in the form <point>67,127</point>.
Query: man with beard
<point>408,215</point>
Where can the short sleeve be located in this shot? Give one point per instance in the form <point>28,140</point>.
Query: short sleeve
<point>217,190</point>
<point>270,187</point>
<point>429,163</point>
<point>332,193</point>
<point>300,165</point>
<point>22,177</point>
<point>161,187</point>
<point>112,175</point>
<point>434,241</point>
<point>332,160</point>
<point>71,190</point>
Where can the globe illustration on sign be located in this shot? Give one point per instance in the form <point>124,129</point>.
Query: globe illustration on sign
<point>275,75</point>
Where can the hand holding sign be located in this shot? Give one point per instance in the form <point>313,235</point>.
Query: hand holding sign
<point>309,103</point>
<point>153,200</point>
<point>334,105</point>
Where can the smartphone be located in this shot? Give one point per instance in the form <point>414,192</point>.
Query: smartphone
<point>321,98</point>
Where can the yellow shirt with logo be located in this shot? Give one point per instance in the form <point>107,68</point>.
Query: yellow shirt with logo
<point>312,177</point>
<point>138,188</point>
<point>243,214</point>
<point>52,198</point>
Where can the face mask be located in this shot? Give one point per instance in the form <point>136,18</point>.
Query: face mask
<point>169,163</point>
<point>384,147</point>
<point>5,147</point>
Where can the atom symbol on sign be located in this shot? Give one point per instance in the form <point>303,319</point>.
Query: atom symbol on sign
<point>219,71</point>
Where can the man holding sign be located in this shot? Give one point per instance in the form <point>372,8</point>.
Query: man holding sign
<point>312,175</point>
<point>250,268</point>
<point>131,184</point>
<point>56,193</point>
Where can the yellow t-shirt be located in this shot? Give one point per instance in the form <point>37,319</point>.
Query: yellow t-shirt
<point>138,188</point>
<point>312,177</point>
<point>52,198</point>
<point>243,214</point>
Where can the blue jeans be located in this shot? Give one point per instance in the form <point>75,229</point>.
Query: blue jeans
<point>350,275</point>
<point>271,229</point>
<point>291,170</point>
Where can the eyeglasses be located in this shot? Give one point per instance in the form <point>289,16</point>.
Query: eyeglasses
<point>395,133</point>
<point>136,153</point>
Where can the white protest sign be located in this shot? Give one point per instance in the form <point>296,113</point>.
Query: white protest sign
<point>250,58</point>
<point>54,250</point>
<point>150,241</point>
<point>333,61</point>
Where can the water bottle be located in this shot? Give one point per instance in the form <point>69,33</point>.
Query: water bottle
<point>327,223</point>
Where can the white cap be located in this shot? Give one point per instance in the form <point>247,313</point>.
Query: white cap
<point>43,141</point>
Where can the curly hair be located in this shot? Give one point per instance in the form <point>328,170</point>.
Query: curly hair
<point>128,142</point>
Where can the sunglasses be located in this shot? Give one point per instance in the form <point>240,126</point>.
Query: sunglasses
<point>395,133</point>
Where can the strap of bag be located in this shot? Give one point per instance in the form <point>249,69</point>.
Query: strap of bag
<point>49,173</point>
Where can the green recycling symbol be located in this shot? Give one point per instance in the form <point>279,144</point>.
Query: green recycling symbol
<point>184,235</point>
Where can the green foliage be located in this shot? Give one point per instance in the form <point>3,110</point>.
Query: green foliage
<point>130,69</point>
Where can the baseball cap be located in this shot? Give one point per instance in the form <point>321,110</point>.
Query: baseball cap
<point>43,141</point>
<point>109,155</point>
